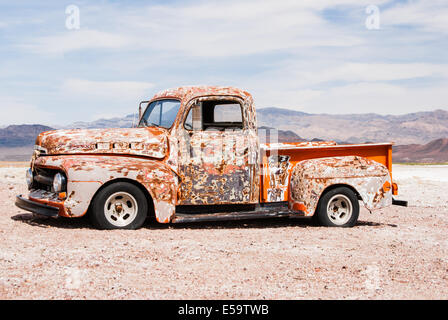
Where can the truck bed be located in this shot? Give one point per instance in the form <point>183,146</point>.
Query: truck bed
<point>278,159</point>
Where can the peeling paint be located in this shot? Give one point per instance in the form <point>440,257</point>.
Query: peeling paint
<point>86,174</point>
<point>310,178</point>
<point>279,167</point>
<point>149,142</point>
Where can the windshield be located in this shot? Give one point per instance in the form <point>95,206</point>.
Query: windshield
<point>161,113</point>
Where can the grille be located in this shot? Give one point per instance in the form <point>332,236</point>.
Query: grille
<point>43,178</point>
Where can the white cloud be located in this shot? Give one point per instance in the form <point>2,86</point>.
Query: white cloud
<point>17,111</point>
<point>429,15</point>
<point>88,100</point>
<point>206,29</point>
<point>380,98</point>
<point>351,87</point>
<point>301,74</point>
<point>358,98</point>
<point>314,63</point>
<point>73,40</point>
<point>225,29</point>
<point>116,90</point>
<point>11,22</point>
<point>387,71</point>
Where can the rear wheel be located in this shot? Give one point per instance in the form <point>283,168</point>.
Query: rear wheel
<point>120,205</point>
<point>338,207</point>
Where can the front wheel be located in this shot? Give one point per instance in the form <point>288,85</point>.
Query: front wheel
<point>120,205</point>
<point>338,207</point>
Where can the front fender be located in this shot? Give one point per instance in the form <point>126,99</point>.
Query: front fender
<point>310,178</point>
<point>86,175</point>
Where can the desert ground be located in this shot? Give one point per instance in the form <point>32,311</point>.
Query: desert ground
<point>395,253</point>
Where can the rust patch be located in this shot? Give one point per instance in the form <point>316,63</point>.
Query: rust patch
<point>86,174</point>
<point>279,167</point>
<point>310,178</point>
<point>105,141</point>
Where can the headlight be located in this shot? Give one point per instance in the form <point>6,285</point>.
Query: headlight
<point>59,182</point>
<point>29,177</point>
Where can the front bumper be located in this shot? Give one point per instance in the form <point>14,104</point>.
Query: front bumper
<point>36,207</point>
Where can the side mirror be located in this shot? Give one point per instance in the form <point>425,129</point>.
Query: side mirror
<point>140,110</point>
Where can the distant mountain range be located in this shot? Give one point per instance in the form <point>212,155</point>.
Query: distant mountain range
<point>21,135</point>
<point>123,122</point>
<point>418,136</point>
<point>435,151</point>
<point>412,128</point>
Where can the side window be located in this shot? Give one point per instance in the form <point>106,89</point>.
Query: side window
<point>193,121</point>
<point>160,113</point>
<point>228,113</point>
<point>188,124</point>
<point>222,115</point>
<point>155,115</point>
<point>215,115</point>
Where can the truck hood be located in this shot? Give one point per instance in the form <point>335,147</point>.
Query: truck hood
<point>151,142</point>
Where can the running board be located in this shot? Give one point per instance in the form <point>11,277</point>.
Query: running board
<point>226,216</point>
<point>402,203</point>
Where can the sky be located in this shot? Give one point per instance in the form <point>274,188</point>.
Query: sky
<point>67,61</point>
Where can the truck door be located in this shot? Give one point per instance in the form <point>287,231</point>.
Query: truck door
<point>218,154</point>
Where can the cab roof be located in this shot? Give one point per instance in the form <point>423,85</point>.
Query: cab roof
<point>186,93</point>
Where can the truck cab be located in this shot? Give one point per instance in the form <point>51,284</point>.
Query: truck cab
<point>217,158</point>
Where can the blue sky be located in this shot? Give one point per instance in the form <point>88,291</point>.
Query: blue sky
<point>315,56</point>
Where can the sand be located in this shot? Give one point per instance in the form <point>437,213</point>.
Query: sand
<point>394,253</point>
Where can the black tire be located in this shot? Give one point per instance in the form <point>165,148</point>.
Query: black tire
<point>343,199</point>
<point>119,195</point>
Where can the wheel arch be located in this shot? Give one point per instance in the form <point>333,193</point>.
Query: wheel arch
<point>337,185</point>
<point>148,196</point>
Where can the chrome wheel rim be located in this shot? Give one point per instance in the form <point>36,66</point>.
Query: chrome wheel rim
<point>120,209</point>
<point>339,209</point>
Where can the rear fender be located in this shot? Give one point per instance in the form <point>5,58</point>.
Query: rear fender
<point>87,174</point>
<point>311,178</point>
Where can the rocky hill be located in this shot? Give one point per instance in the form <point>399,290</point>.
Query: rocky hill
<point>21,135</point>
<point>419,137</point>
<point>412,128</point>
<point>122,122</point>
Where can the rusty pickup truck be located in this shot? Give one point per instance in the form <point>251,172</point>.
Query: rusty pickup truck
<point>195,155</point>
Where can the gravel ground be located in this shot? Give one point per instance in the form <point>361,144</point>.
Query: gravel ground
<point>395,253</point>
